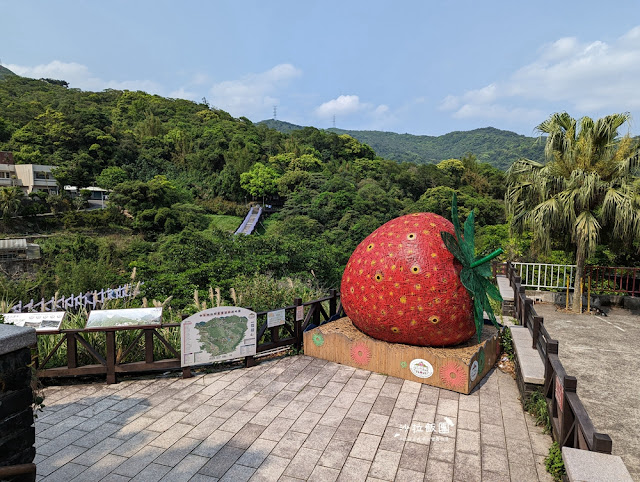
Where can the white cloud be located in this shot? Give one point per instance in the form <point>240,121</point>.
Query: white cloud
<point>343,105</point>
<point>252,94</point>
<point>581,77</point>
<point>79,76</point>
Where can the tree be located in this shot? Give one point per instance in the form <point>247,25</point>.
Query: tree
<point>111,176</point>
<point>587,187</point>
<point>261,180</point>
<point>10,201</point>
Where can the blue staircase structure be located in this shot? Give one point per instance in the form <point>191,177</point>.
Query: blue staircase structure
<point>250,221</point>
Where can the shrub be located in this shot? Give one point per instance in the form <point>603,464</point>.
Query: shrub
<point>506,343</point>
<point>537,406</point>
<point>554,463</point>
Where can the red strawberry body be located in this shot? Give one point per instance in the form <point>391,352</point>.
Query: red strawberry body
<point>402,285</point>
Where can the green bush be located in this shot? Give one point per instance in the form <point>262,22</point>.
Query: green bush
<point>506,342</point>
<point>537,406</point>
<point>554,463</point>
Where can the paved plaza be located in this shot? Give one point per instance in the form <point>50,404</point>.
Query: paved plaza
<point>602,352</point>
<point>294,418</point>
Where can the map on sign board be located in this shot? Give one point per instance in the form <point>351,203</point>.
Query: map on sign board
<point>126,317</point>
<point>218,334</point>
<point>41,321</point>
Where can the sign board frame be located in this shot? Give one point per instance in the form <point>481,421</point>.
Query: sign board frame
<point>193,355</point>
<point>128,317</point>
<point>51,319</point>
<point>276,318</point>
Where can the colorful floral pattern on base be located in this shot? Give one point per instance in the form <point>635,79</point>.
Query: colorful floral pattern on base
<point>453,375</point>
<point>360,353</point>
<point>318,339</point>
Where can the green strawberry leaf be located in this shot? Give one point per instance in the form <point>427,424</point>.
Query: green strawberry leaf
<point>469,245</point>
<point>476,272</point>
<point>478,317</point>
<point>454,217</point>
<point>452,245</point>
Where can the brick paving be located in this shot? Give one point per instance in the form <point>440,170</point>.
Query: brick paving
<point>291,419</point>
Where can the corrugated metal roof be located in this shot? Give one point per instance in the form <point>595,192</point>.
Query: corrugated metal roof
<point>6,244</point>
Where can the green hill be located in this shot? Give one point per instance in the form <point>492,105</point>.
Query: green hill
<point>4,72</point>
<point>493,146</point>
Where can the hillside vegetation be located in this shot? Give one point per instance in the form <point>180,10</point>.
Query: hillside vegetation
<point>172,164</point>
<point>496,147</point>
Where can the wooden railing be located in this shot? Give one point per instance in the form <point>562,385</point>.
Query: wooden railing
<point>111,359</point>
<point>570,422</point>
<point>114,360</point>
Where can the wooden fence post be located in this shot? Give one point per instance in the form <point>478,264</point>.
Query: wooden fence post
<point>526,310</point>
<point>601,443</point>
<point>537,322</point>
<point>297,324</point>
<point>333,302</point>
<point>567,417</point>
<point>72,351</point>
<point>111,357</point>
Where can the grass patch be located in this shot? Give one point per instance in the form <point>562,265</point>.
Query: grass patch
<point>506,342</point>
<point>554,463</point>
<point>537,407</point>
<point>225,223</point>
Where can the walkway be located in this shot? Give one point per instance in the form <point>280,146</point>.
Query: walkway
<point>295,418</point>
<point>602,353</point>
<point>250,221</point>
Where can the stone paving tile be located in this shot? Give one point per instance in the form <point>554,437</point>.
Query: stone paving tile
<point>255,455</point>
<point>238,473</point>
<point>60,442</point>
<point>271,469</point>
<point>385,465</point>
<point>222,461</point>
<point>152,473</point>
<point>51,464</point>
<point>354,470</point>
<point>335,453</point>
<point>186,469</point>
<point>414,457</point>
<point>178,451</point>
<point>101,468</point>
<point>67,472</point>
<point>293,419</point>
<point>96,436</point>
<point>303,463</point>
<point>359,411</point>
<point>365,446</point>
<point>138,461</point>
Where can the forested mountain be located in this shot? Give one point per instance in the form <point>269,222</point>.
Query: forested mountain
<point>174,165</point>
<point>493,146</point>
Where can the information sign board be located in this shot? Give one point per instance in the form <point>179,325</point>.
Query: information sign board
<point>218,334</point>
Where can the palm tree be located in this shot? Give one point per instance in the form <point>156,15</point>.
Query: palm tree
<point>589,184</point>
<point>10,198</point>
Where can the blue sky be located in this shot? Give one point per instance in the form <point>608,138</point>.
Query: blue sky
<point>422,67</point>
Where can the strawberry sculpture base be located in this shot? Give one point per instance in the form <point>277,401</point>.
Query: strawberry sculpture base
<point>458,368</point>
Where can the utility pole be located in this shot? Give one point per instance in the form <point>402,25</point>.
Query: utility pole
<point>275,111</point>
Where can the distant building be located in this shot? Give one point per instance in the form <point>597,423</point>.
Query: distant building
<point>29,177</point>
<point>18,249</point>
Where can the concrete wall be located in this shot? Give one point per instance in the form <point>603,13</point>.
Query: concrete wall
<point>17,432</point>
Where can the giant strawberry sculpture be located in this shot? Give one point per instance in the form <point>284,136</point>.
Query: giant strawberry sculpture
<point>403,283</point>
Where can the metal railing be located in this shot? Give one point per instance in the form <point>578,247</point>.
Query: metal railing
<point>546,276</point>
<point>87,300</point>
<point>570,422</point>
<point>596,280</point>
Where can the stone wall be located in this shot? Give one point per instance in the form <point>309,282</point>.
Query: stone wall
<point>17,432</point>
